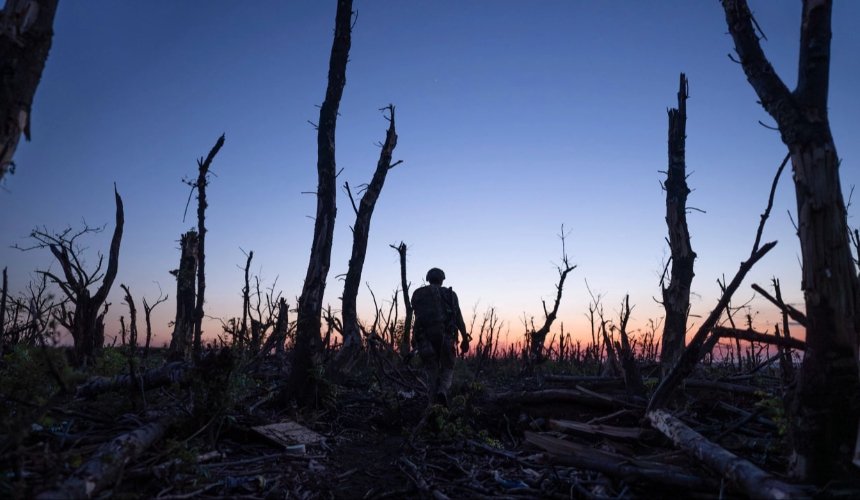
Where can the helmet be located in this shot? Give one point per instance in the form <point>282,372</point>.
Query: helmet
<point>435,275</point>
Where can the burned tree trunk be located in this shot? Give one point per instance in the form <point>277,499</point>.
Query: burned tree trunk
<point>147,312</point>
<point>26,32</point>
<point>183,324</point>
<point>405,339</point>
<point>308,341</point>
<point>200,185</point>
<point>360,234</point>
<point>824,427</point>
<point>676,297</point>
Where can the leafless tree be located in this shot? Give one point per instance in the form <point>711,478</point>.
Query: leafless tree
<point>822,424</point>
<point>26,33</point>
<point>676,296</point>
<point>200,184</point>
<point>308,342</point>
<point>86,323</point>
<point>360,234</point>
<point>147,312</point>
<point>539,336</point>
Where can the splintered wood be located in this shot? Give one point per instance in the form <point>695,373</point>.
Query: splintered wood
<point>288,433</point>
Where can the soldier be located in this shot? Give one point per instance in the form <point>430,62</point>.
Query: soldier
<point>437,321</point>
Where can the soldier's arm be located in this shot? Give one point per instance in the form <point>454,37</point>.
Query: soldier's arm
<point>458,317</point>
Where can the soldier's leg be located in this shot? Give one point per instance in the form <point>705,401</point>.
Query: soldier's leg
<point>447,355</point>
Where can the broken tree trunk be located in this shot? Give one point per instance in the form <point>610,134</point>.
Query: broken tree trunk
<point>405,339</point>
<point>173,372</point>
<point>676,297</point>
<point>105,467</point>
<point>360,234</point>
<point>200,185</point>
<point>746,476</point>
<point>824,428</point>
<point>308,342</point>
<point>183,325</point>
<point>26,33</point>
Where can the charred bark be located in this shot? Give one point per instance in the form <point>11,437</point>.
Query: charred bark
<point>200,185</point>
<point>826,406</point>
<point>676,297</point>
<point>308,341</point>
<point>360,234</point>
<point>183,324</point>
<point>26,33</point>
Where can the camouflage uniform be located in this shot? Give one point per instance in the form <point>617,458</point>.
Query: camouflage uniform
<point>436,334</point>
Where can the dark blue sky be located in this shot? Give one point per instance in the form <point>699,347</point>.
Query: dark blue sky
<point>514,117</point>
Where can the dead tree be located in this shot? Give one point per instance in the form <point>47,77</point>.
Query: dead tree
<point>86,322</point>
<point>246,301</point>
<point>704,340</point>
<point>147,311</point>
<point>676,297</point>
<point>26,33</point>
<point>824,428</point>
<point>308,342</point>
<point>632,376</point>
<point>183,324</point>
<point>405,339</point>
<point>539,336</point>
<point>200,186</point>
<point>132,320</point>
<point>360,234</point>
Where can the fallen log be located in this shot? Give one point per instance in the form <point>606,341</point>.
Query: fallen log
<point>724,386</point>
<point>106,465</point>
<point>745,475</point>
<point>555,396</point>
<point>598,429</point>
<point>619,466</point>
<point>175,372</point>
<point>754,336</point>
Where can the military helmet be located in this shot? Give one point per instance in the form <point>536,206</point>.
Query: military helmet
<point>435,275</point>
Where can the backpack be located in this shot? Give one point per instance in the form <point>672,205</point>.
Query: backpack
<point>434,308</point>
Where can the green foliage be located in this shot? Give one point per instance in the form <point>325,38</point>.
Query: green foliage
<point>774,407</point>
<point>25,375</point>
<point>112,361</point>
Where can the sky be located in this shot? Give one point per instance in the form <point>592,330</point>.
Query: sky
<point>513,118</point>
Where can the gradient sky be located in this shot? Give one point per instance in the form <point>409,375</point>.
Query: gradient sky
<point>513,118</point>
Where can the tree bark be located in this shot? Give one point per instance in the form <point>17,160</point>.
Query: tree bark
<point>746,476</point>
<point>308,341</point>
<point>360,234</point>
<point>202,182</point>
<point>825,409</point>
<point>26,33</point>
<point>676,297</point>
<point>183,324</point>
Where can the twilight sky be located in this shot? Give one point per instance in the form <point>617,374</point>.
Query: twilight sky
<point>513,118</point>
